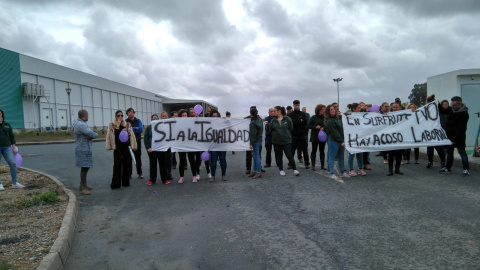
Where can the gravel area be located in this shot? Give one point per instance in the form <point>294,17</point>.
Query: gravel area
<point>28,233</point>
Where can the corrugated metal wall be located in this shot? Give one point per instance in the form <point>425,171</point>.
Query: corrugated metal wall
<point>11,88</point>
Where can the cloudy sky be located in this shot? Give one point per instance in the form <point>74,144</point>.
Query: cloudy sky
<point>236,53</point>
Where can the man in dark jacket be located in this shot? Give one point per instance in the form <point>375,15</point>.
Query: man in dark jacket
<point>300,122</point>
<point>137,127</point>
<point>456,129</point>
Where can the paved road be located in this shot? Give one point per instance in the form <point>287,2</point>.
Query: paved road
<point>421,220</point>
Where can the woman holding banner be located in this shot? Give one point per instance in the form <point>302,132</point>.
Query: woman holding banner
<point>440,149</point>
<point>183,157</point>
<point>281,129</point>
<point>336,145</point>
<point>122,157</point>
<point>412,107</point>
<point>218,155</point>
<point>256,134</point>
<point>355,108</point>
<point>316,124</point>
<point>395,154</point>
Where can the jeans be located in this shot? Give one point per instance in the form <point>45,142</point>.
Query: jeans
<point>279,149</point>
<point>359,160</point>
<point>7,152</point>
<point>215,155</point>
<point>335,149</point>
<point>461,152</point>
<point>257,161</point>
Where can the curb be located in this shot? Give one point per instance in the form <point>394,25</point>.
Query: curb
<point>58,254</point>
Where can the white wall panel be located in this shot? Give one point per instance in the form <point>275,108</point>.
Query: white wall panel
<point>87,96</point>
<point>121,101</point>
<point>114,98</point>
<point>97,98</point>
<point>106,99</point>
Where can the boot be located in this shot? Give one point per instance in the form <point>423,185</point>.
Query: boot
<point>390,171</point>
<point>257,175</point>
<point>85,191</point>
<point>397,169</point>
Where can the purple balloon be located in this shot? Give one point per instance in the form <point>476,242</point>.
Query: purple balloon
<point>123,137</point>
<point>18,160</point>
<point>322,136</point>
<point>374,108</point>
<point>198,109</point>
<point>205,156</point>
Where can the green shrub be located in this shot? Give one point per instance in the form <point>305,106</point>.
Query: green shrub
<point>41,199</point>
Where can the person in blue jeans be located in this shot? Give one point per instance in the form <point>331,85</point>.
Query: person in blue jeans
<point>8,150</point>
<point>256,134</point>
<point>336,145</point>
<point>218,155</point>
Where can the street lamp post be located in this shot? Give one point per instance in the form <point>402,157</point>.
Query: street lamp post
<point>68,90</point>
<point>337,80</point>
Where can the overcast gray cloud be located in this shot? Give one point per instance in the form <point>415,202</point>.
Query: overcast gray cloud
<point>237,53</point>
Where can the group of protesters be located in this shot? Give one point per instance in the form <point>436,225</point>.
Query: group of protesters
<point>287,132</point>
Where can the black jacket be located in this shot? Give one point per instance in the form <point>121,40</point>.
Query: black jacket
<point>299,120</point>
<point>456,126</point>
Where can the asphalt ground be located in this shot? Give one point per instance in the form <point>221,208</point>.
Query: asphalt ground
<point>419,220</point>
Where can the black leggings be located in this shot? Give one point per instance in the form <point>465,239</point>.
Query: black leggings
<point>191,160</point>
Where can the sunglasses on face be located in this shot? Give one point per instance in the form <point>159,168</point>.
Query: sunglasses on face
<point>120,115</point>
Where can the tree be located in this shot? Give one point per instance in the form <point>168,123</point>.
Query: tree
<point>418,96</point>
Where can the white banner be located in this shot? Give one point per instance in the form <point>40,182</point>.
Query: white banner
<point>187,134</point>
<point>372,131</point>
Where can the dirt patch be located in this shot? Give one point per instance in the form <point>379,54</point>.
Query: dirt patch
<point>27,232</point>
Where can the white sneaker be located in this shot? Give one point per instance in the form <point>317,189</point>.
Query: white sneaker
<point>209,175</point>
<point>194,180</point>
<point>18,185</point>
<point>1,187</point>
<point>282,173</point>
<point>297,173</point>
<point>180,180</point>
<point>465,172</point>
<point>345,175</point>
<point>333,176</point>
<point>198,176</point>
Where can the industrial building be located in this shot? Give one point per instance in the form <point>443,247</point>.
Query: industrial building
<point>466,84</point>
<point>42,96</point>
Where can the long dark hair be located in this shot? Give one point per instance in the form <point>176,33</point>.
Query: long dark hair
<point>327,113</point>
<point>254,113</point>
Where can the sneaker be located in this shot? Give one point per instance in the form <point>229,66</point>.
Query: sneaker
<point>167,182</point>
<point>333,176</point>
<point>212,179</point>
<point>465,172</point>
<point>194,179</point>
<point>149,183</point>
<point>345,175</point>
<point>445,170</point>
<point>297,173</point>
<point>209,175</point>
<point>85,191</point>
<point>352,173</point>
<point>197,178</point>
<point>362,172</point>
<point>140,176</point>
<point>224,178</point>
<point>282,173</point>
<point>180,180</point>
<point>429,165</point>
<point>1,187</point>
<point>18,185</point>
